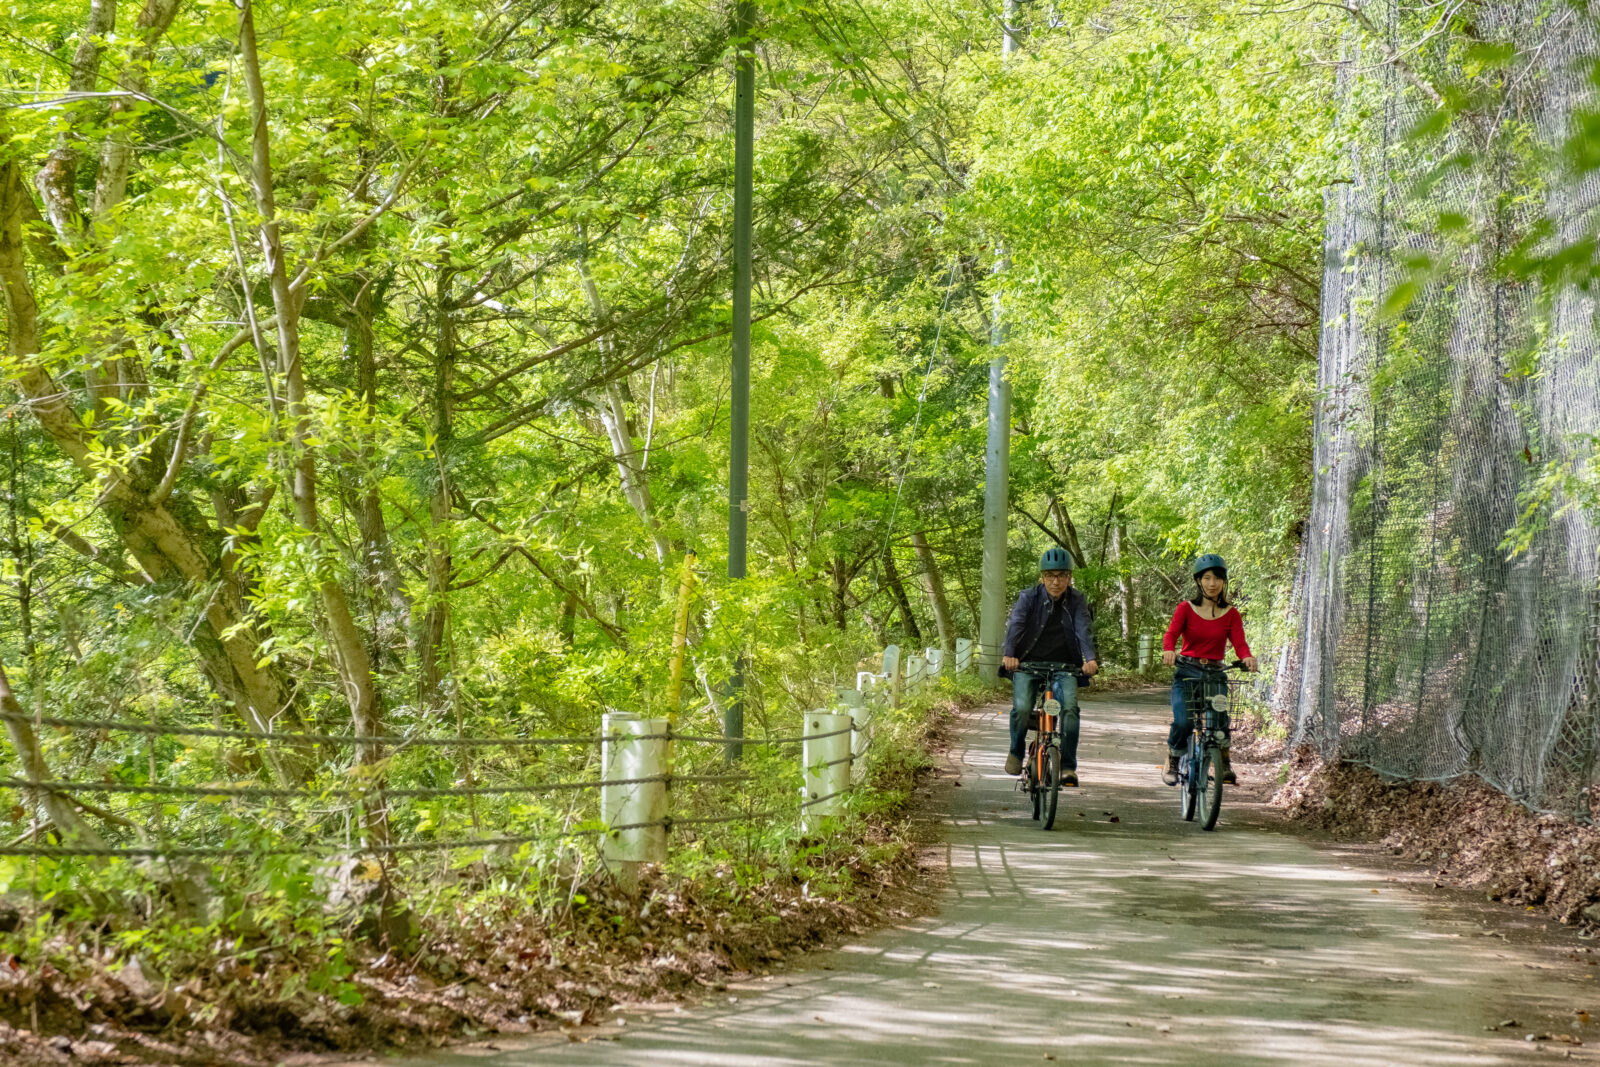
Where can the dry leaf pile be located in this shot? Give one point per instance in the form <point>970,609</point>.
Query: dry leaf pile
<point>1468,832</point>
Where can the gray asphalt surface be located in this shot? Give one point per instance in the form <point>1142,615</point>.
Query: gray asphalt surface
<point>1139,941</point>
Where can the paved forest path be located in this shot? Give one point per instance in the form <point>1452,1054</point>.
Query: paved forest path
<point>1139,941</point>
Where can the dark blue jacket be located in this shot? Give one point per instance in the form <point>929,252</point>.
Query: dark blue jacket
<point>1028,617</point>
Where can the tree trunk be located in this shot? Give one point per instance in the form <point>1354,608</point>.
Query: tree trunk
<point>21,548</point>
<point>875,624</point>
<point>57,180</point>
<point>841,591</point>
<point>569,617</point>
<point>1066,532</point>
<point>53,806</point>
<point>1119,530</point>
<point>1111,519</point>
<point>378,563</point>
<point>116,155</point>
<point>897,589</point>
<point>441,559</point>
<point>635,485</point>
<point>170,540</point>
<point>933,581</point>
<point>965,586</point>
<point>350,653</point>
<point>614,417</point>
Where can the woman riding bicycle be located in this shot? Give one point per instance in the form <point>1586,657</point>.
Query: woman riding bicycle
<point>1208,623</point>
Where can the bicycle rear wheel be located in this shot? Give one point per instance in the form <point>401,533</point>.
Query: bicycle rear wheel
<point>1051,786</point>
<point>1210,782</point>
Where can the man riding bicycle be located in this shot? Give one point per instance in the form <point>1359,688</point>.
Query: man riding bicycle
<point>1049,624</point>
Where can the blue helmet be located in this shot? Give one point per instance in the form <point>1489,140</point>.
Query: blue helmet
<point>1056,559</point>
<point>1211,562</point>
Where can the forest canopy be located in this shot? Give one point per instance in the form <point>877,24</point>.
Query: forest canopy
<point>367,364</point>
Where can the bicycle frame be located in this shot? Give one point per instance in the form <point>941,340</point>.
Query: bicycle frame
<point>1209,720</point>
<point>1049,725</point>
<point>1209,699</point>
<point>1042,770</point>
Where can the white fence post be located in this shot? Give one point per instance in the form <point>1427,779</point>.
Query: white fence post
<point>633,748</point>
<point>826,759</point>
<point>935,657</point>
<point>853,702</point>
<point>914,673</point>
<point>891,673</point>
<point>1145,643</point>
<point>963,655</point>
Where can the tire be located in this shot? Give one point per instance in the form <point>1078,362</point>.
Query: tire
<point>1051,784</point>
<point>1186,789</point>
<point>1210,782</point>
<point>1033,780</point>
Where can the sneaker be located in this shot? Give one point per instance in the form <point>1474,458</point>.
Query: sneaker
<point>1069,777</point>
<point>1013,764</point>
<point>1169,773</point>
<point>1228,777</point>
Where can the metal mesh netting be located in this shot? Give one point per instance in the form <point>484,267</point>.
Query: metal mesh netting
<point>1426,649</point>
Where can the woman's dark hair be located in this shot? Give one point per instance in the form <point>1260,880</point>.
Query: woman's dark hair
<point>1199,598</point>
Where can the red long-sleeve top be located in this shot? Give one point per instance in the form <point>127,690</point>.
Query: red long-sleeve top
<point>1206,638</point>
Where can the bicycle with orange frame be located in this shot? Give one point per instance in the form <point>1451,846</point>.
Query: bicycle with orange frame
<point>1041,771</point>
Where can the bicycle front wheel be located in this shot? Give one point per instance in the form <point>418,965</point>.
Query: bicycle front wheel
<point>1210,781</point>
<point>1032,770</point>
<point>1051,786</point>
<point>1186,788</point>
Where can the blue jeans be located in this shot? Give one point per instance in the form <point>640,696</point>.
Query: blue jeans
<point>1024,688</point>
<point>1182,721</point>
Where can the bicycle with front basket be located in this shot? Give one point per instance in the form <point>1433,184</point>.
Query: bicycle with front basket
<point>1209,699</point>
<point>1041,771</point>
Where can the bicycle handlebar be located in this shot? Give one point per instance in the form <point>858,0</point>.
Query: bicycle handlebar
<point>1046,668</point>
<point>1236,665</point>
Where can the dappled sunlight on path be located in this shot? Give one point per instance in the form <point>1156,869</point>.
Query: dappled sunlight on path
<point>1139,941</point>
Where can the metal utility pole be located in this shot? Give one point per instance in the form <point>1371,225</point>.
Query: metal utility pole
<point>744,143</point>
<point>997,456</point>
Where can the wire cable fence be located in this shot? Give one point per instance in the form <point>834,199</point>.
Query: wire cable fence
<point>356,807</point>
<point>1428,647</point>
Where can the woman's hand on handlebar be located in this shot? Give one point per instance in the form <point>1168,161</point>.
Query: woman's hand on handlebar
<point>1169,658</point>
<point>1011,662</point>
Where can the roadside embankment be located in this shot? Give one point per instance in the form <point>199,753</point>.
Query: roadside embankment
<point>493,956</point>
<point>1468,833</point>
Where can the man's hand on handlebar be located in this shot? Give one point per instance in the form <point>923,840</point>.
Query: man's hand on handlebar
<point>1011,662</point>
<point>1169,658</point>
<point>1091,668</point>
